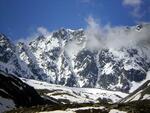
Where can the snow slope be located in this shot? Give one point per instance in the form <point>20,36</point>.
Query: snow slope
<point>76,95</point>
<point>139,95</point>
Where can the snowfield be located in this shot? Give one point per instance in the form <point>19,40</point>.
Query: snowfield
<point>76,95</point>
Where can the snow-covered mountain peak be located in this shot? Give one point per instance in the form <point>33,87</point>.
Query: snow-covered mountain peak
<point>7,49</point>
<point>5,42</point>
<point>21,46</point>
<point>62,57</point>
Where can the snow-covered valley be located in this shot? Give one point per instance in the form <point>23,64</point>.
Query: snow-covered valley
<point>76,95</point>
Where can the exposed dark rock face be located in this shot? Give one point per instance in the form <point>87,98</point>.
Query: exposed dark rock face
<point>86,60</point>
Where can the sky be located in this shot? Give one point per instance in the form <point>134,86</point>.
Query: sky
<point>22,18</point>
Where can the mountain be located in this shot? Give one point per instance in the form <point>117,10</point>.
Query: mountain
<point>62,57</point>
<point>10,61</point>
<point>138,101</point>
<point>139,95</point>
<point>15,93</point>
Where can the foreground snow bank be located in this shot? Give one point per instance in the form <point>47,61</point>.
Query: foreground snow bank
<point>116,111</point>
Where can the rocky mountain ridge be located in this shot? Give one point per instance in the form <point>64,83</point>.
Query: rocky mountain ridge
<point>62,57</point>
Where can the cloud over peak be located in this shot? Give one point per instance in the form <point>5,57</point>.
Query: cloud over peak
<point>39,31</point>
<point>116,37</point>
<point>104,36</point>
<point>42,30</point>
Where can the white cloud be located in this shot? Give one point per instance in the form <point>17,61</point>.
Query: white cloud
<point>42,31</point>
<point>33,36</point>
<point>136,5</point>
<point>72,48</point>
<point>94,34</point>
<point>99,37</point>
<point>118,37</point>
<point>28,39</point>
<point>115,37</point>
